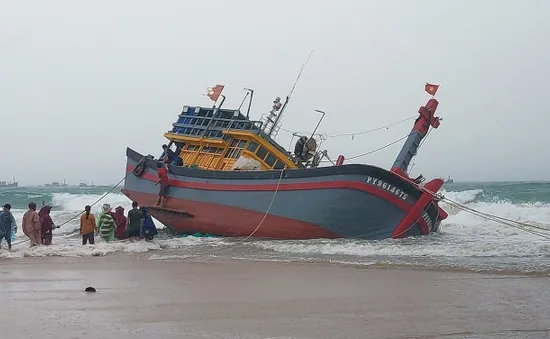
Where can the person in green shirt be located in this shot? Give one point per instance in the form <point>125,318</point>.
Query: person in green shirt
<point>106,224</point>
<point>135,222</point>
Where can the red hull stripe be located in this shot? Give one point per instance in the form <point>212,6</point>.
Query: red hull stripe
<point>228,221</point>
<point>286,187</point>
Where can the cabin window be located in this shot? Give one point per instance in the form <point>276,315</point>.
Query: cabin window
<point>252,146</point>
<point>270,160</point>
<point>279,165</point>
<point>235,149</point>
<point>261,153</point>
<point>212,149</point>
<point>236,153</point>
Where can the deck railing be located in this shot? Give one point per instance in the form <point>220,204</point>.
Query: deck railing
<point>212,127</point>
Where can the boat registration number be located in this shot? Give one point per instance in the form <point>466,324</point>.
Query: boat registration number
<point>387,187</point>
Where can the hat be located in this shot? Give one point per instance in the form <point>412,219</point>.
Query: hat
<point>106,207</point>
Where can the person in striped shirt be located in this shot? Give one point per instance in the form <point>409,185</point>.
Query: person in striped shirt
<point>106,224</point>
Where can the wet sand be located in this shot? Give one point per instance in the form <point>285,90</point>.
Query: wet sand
<point>141,298</point>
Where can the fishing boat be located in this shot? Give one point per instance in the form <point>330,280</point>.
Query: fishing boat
<point>85,184</point>
<point>235,180</point>
<point>449,180</point>
<point>11,184</point>
<point>56,184</point>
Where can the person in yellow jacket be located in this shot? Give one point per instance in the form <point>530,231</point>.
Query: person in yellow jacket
<point>87,226</point>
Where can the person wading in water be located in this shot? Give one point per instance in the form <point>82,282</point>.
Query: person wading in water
<point>87,226</point>
<point>31,225</point>
<point>106,224</point>
<point>46,225</point>
<point>135,222</point>
<point>121,223</point>
<point>7,225</point>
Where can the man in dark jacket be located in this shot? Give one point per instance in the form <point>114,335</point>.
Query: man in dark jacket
<point>7,221</point>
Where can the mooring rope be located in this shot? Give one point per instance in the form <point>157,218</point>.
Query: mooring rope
<point>242,241</point>
<point>268,208</point>
<point>541,231</point>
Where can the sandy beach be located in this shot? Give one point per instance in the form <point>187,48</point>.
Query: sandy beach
<point>198,298</point>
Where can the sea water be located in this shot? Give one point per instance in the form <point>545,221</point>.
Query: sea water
<point>464,241</point>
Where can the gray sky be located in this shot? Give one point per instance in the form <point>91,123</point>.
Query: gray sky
<point>80,81</point>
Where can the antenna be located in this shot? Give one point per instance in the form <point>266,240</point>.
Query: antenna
<point>242,102</point>
<point>273,119</point>
<point>323,115</point>
<point>251,91</point>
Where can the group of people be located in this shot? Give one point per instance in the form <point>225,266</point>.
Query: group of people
<point>110,226</point>
<point>170,157</point>
<point>115,225</point>
<point>37,226</point>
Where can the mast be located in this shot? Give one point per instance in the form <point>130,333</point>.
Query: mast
<point>420,129</point>
<point>271,123</point>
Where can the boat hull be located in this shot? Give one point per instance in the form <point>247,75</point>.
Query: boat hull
<point>10,185</point>
<point>349,201</point>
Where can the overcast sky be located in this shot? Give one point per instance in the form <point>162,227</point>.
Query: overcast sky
<point>82,80</point>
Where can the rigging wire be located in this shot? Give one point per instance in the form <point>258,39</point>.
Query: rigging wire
<point>379,149</point>
<point>354,133</point>
<point>374,129</point>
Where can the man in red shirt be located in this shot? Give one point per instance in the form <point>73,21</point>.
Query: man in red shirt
<point>163,181</point>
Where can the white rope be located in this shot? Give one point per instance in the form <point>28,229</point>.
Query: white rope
<point>541,231</point>
<point>268,208</point>
<point>240,242</point>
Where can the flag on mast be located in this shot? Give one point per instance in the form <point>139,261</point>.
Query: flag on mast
<point>431,89</point>
<point>214,92</point>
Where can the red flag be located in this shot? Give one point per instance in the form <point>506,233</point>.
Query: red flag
<point>214,92</point>
<point>431,89</point>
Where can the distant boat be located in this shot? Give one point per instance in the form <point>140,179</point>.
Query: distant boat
<point>56,184</point>
<point>11,184</point>
<point>83,184</point>
<point>449,180</point>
